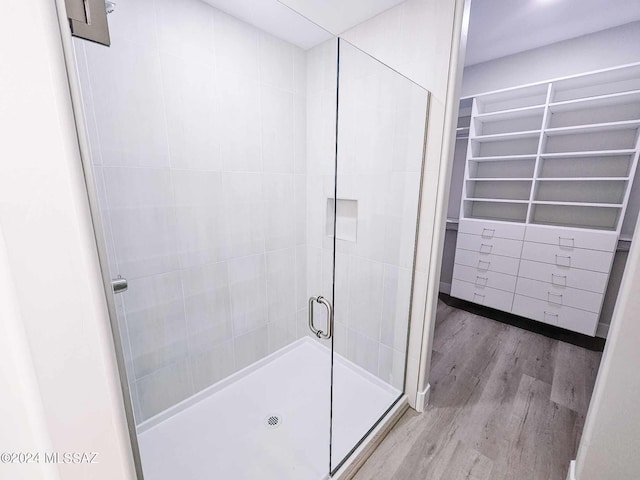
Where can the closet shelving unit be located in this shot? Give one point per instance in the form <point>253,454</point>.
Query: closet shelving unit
<point>547,180</point>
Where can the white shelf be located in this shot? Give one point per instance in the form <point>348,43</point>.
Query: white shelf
<point>496,200</point>
<point>579,204</point>
<point>500,179</point>
<point>582,179</point>
<point>506,136</point>
<point>502,158</point>
<point>590,153</point>
<point>599,100</point>
<point>510,114</point>
<point>594,128</point>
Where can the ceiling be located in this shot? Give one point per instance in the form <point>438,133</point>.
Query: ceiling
<point>498,28</point>
<point>279,18</point>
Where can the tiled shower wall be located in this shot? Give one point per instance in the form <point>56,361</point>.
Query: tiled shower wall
<point>197,136</point>
<point>381,126</point>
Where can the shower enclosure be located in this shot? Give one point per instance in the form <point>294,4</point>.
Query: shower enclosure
<point>258,197</point>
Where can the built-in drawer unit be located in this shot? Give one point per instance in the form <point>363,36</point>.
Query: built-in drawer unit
<point>483,278</point>
<point>563,276</point>
<point>489,230</point>
<point>487,296</point>
<point>568,239</point>
<point>549,168</point>
<point>595,260</point>
<point>487,246</point>
<point>554,295</point>
<point>487,262</point>
<point>558,315</point>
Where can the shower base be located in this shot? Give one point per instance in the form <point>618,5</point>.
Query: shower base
<point>268,421</point>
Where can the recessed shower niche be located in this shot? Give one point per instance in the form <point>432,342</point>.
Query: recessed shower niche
<point>344,213</point>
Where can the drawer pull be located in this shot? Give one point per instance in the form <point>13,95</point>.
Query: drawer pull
<point>483,265</point>
<point>481,281</point>
<point>558,280</point>
<point>485,248</point>
<point>563,260</point>
<point>566,242</point>
<point>549,316</point>
<point>488,232</point>
<point>478,298</point>
<point>554,298</point>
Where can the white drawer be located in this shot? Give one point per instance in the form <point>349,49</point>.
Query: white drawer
<point>559,315</point>
<point>553,295</point>
<point>486,296</point>
<point>488,262</point>
<point>563,276</point>
<point>483,278</point>
<point>576,258</point>
<point>486,229</point>
<point>571,238</point>
<point>495,246</point>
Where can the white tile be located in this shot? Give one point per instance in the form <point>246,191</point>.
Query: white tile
<point>281,269</point>
<point>300,134</point>
<point>276,62</point>
<point>155,322</point>
<point>207,306</point>
<point>362,351</point>
<point>251,347</point>
<point>137,187</point>
<point>391,366</point>
<point>135,22</point>
<point>243,212</point>
<point>144,240</point>
<point>282,332</point>
<point>212,365</point>
<point>236,46</point>
<point>300,206</point>
<point>191,103</point>
<point>125,80</point>
<point>185,28</point>
<point>277,130</point>
<point>396,298</point>
<point>299,71</point>
<point>238,122</point>
<point>164,388</point>
<point>247,285</point>
<point>365,296</point>
<point>301,293</point>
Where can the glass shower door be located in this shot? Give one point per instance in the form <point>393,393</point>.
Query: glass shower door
<point>381,131</point>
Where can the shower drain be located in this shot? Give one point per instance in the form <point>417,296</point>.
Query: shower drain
<point>273,421</point>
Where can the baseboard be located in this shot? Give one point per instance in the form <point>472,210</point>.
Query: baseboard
<point>571,475</point>
<point>603,330</point>
<point>585,341</point>
<point>445,288</point>
<point>422,400</point>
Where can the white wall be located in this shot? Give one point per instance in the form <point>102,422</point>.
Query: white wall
<point>608,48</point>
<point>197,128</point>
<point>611,438</point>
<point>50,261</point>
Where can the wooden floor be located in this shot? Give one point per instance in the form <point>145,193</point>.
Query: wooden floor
<point>506,404</point>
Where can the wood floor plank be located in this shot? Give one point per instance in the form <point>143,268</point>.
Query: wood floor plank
<point>491,414</point>
<point>574,376</point>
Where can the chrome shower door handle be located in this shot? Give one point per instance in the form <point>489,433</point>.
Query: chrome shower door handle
<point>317,332</point>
